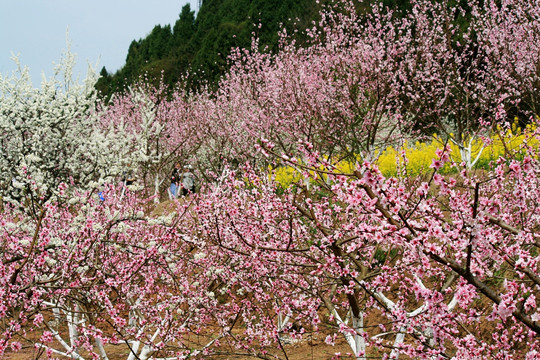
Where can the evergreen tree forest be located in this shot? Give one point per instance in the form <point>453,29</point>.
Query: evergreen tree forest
<point>199,44</point>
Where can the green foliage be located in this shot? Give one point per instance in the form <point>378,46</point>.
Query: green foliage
<point>200,45</point>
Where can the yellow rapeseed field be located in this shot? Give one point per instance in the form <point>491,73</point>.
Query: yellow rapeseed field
<point>414,159</point>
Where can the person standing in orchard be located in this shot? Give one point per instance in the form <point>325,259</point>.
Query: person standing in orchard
<point>188,181</point>
<point>175,180</point>
<point>128,176</point>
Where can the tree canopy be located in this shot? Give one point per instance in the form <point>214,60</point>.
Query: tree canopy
<point>201,44</point>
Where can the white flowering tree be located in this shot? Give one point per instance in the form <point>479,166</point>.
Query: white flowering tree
<point>49,135</point>
<point>162,129</point>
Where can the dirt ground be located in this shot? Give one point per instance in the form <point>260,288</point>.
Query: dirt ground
<point>308,349</point>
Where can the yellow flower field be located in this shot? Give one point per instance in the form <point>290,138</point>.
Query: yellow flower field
<point>415,158</point>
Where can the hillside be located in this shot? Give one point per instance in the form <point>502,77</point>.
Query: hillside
<point>202,43</point>
<point>199,44</point>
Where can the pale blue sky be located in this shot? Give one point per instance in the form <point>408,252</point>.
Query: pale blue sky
<point>99,30</point>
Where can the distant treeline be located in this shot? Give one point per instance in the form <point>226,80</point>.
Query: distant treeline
<point>200,44</point>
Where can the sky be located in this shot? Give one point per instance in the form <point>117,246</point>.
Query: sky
<point>100,31</point>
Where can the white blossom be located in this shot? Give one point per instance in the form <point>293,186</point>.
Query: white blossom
<point>52,134</point>
<point>199,256</point>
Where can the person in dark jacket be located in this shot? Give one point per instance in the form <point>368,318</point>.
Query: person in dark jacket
<point>128,176</point>
<point>176,179</point>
